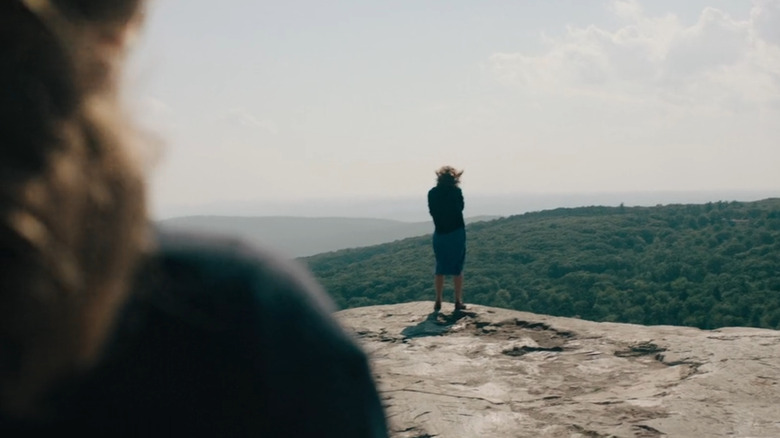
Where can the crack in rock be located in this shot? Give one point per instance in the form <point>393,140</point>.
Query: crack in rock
<point>693,367</point>
<point>641,349</point>
<point>589,433</point>
<point>417,433</point>
<point>646,431</point>
<point>520,351</point>
<point>441,394</point>
<point>542,326</point>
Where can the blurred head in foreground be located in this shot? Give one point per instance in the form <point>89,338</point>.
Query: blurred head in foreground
<point>71,198</point>
<point>103,335</point>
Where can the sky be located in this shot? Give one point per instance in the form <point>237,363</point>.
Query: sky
<point>255,101</point>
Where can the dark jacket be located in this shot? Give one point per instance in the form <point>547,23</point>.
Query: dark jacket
<point>219,339</point>
<point>445,204</point>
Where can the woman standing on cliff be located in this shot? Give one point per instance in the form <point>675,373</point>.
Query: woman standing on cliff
<point>445,204</point>
<point>108,329</point>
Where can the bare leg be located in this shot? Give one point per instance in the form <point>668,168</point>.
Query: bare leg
<point>439,285</point>
<point>458,281</point>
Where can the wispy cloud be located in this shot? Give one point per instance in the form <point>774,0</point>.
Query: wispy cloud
<point>765,17</point>
<point>719,61</point>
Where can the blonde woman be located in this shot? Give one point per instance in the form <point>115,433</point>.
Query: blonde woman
<point>107,329</point>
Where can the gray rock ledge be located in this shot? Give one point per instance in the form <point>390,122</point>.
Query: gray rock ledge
<point>491,372</point>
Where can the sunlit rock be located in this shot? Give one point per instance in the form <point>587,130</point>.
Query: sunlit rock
<point>491,372</point>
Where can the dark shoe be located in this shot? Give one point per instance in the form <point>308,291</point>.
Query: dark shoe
<point>437,306</point>
<point>460,306</point>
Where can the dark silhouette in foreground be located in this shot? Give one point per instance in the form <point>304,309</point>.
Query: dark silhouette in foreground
<point>108,329</point>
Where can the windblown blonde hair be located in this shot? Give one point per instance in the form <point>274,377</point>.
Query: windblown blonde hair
<point>448,175</point>
<point>72,199</point>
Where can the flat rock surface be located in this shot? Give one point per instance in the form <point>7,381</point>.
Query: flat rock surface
<point>490,372</point>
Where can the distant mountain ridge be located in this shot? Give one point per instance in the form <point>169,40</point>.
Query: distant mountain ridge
<point>306,236</point>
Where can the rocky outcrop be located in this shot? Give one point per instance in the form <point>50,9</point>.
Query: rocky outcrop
<point>490,372</point>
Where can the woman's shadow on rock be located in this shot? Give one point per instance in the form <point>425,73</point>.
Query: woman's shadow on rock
<point>436,324</point>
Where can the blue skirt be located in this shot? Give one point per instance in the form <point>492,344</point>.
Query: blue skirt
<point>450,252</point>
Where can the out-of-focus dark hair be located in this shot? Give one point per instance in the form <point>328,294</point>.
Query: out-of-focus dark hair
<point>447,175</point>
<point>72,215</point>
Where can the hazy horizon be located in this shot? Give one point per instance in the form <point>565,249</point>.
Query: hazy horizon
<point>277,103</point>
<point>414,209</point>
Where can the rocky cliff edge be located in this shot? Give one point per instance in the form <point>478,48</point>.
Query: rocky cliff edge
<point>490,372</point>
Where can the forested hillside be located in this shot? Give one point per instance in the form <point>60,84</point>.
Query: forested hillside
<point>709,265</point>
